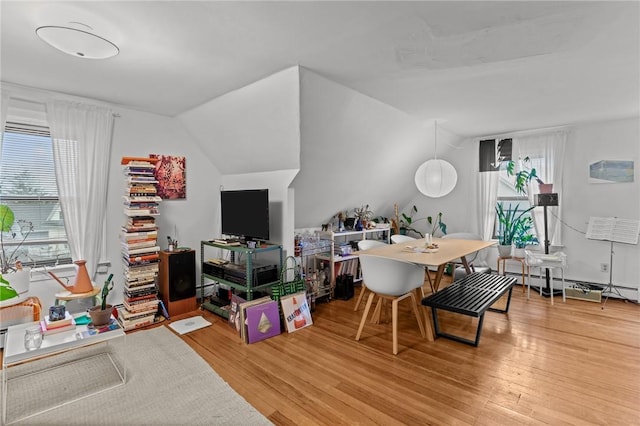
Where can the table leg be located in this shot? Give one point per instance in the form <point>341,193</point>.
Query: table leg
<point>438,278</point>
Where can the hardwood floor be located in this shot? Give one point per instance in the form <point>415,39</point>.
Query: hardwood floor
<point>571,363</point>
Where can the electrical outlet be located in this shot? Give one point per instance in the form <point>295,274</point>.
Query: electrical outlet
<point>604,267</point>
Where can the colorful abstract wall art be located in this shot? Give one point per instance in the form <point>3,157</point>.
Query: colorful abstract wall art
<point>171,174</point>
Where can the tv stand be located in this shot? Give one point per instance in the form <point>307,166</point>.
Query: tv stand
<point>249,277</point>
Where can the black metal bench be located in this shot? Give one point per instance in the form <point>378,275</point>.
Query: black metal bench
<point>472,295</point>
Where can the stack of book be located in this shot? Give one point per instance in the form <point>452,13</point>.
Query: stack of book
<point>49,327</point>
<point>139,240</point>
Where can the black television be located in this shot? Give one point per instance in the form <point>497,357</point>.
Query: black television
<point>245,213</point>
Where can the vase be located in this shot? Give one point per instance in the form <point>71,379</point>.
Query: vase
<point>19,280</point>
<point>546,188</point>
<point>99,316</point>
<point>504,250</point>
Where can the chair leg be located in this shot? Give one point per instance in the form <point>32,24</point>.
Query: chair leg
<point>394,321</point>
<point>363,289</point>
<point>364,315</point>
<point>551,284</point>
<point>377,312</point>
<point>414,305</point>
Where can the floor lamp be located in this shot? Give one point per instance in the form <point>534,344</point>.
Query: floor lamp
<point>546,200</point>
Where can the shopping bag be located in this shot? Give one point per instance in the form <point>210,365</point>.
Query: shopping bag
<point>286,285</point>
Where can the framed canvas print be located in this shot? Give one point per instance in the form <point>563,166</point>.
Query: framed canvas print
<point>296,312</point>
<point>171,174</point>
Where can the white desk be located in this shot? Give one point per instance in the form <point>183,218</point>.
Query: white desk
<point>90,364</point>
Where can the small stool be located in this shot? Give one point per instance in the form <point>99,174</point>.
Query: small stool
<point>517,259</point>
<point>66,296</point>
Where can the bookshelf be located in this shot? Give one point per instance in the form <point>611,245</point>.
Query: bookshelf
<point>139,241</point>
<point>346,262</point>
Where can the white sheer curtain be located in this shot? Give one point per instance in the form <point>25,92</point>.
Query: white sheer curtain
<point>4,107</point>
<point>81,137</point>
<point>549,148</point>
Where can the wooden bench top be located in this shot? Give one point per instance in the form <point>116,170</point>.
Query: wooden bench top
<point>471,295</point>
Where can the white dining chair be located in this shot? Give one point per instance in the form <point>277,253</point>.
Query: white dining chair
<point>393,280</point>
<point>364,245</point>
<point>401,239</point>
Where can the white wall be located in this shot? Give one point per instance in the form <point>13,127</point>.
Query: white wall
<point>252,129</point>
<point>611,140</point>
<point>355,150</point>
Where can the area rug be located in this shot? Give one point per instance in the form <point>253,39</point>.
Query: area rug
<point>168,383</point>
<point>189,324</point>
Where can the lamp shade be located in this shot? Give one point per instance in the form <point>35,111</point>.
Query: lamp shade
<point>77,42</point>
<point>436,178</point>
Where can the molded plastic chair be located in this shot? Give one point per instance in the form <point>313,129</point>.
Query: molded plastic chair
<point>399,239</point>
<point>362,246</point>
<point>394,280</point>
<point>546,261</point>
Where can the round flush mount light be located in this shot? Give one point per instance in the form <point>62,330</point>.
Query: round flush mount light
<point>78,43</point>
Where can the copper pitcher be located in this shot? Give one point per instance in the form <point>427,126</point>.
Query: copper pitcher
<point>82,284</point>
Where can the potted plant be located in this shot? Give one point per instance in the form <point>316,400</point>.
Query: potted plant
<point>101,314</point>
<point>523,236</point>
<point>407,221</point>
<point>509,221</point>
<point>363,215</point>
<point>525,175</point>
<point>14,279</point>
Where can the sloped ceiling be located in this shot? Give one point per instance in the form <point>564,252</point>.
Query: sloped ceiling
<point>479,67</point>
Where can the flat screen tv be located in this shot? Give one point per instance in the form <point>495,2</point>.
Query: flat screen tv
<point>245,213</point>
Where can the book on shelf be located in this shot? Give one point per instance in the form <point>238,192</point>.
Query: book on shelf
<point>142,198</point>
<point>143,250</point>
<point>139,244</point>
<point>128,236</point>
<point>142,259</point>
<point>68,320</point>
<point>262,321</point>
<point>126,315</point>
<point>133,326</point>
<point>137,161</point>
<point>140,307</point>
<point>128,287</point>
<point>138,212</point>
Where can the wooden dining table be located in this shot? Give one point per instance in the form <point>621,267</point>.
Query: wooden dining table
<point>449,250</point>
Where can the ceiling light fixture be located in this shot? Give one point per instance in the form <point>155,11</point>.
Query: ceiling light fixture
<point>78,43</point>
<point>436,178</point>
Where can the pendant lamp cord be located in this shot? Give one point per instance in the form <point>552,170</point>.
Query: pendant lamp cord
<point>435,140</point>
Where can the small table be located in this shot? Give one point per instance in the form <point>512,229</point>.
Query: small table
<point>473,295</point>
<point>67,296</point>
<point>31,384</point>
<point>522,261</point>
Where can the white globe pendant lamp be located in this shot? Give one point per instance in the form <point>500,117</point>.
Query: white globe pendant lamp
<point>436,178</point>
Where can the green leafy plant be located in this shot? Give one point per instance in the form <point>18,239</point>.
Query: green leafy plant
<point>510,220</point>
<point>523,236</point>
<point>523,176</point>
<point>106,288</point>
<point>9,255</point>
<point>435,222</point>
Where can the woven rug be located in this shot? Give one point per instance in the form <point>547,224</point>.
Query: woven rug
<point>168,383</point>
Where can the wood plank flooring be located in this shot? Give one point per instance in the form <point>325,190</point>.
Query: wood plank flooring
<point>571,363</point>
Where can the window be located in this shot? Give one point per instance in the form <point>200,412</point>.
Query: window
<point>28,187</point>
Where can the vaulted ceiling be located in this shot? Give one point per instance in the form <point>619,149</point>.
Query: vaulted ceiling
<point>478,67</point>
